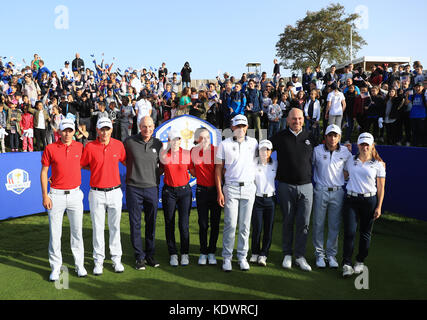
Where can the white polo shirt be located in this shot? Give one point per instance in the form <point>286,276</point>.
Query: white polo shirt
<point>336,107</point>
<point>362,176</point>
<point>297,87</point>
<point>137,84</point>
<point>265,176</point>
<point>328,168</point>
<point>240,159</point>
<point>143,106</point>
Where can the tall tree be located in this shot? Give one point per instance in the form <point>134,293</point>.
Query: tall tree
<point>322,36</point>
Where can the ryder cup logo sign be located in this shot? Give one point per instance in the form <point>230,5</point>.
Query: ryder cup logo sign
<point>187,125</point>
<point>18,181</point>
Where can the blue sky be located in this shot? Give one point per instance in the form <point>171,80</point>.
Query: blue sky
<point>212,35</point>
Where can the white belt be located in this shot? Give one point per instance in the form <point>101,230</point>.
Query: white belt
<point>239,184</point>
<point>328,188</point>
<point>364,195</point>
<point>265,195</point>
<point>59,191</point>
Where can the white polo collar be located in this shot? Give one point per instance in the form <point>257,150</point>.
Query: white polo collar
<point>295,133</point>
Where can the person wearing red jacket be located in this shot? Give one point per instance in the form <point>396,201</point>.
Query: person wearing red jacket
<point>361,105</point>
<point>27,127</point>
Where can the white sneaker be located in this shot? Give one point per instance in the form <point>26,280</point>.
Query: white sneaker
<point>118,267</point>
<point>185,260</point>
<point>254,258</point>
<point>174,260</point>
<point>408,144</point>
<point>358,267</point>
<point>302,263</point>
<point>226,265</point>
<point>244,265</point>
<point>287,262</point>
<point>262,260</point>
<point>203,259</point>
<point>333,263</point>
<point>320,263</point>
<point>81,272</point>
<point>54,275</point>
<point>347,270</point>
<point>97,271</point>
<point>211,259</point>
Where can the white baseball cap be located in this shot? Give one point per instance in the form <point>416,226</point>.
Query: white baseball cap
<point>366,137</point>
<point>67,124</point>
<point>104,122</point>
<point>265,144</point>
<point>239,119</point>
<point>333,128</point>
<point>173,134</point>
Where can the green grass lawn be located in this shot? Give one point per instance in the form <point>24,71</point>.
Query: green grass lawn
<point>397,267</point>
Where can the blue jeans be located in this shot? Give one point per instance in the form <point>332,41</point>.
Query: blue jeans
<point>363,209</point>
<point>185,84</point>
<point>273,128</point>
<point>330,203</point>
<point>206,201</point>
<point>283,124</point>
<point>262,214</point>
<point>350,122</point>
<point>136,199</point>
<point>180,197</point>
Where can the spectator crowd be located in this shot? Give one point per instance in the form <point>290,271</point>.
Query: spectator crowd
<point>388,101</point>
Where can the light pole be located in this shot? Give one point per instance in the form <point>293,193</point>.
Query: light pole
<point>351,44</point>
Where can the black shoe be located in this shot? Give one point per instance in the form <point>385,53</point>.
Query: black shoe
<point>152,262</point>
<point>140,265</point>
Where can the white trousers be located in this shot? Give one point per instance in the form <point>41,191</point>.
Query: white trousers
<point>238,206</point>
<point>73,203</point>
<point>99,202</point>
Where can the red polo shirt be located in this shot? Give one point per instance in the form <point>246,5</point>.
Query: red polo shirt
<point>65,163</point>
<point>103,161</point>
<point>176,168</point>
<point>204,165</point>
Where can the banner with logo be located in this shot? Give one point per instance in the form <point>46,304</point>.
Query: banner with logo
<point>187,125</point>
<point>20,192</point>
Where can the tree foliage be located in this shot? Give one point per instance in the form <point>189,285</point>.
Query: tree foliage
<point>320,37</point>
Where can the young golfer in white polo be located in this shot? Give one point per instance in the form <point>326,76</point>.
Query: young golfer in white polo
<point>237,155</point>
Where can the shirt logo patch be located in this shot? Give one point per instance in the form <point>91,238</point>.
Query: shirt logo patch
<point>355,163</point>
<point>115,156</point>
<point>325,157</point>
<point>307,142</point>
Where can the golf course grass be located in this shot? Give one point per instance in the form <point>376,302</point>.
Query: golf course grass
<point>397,267</point>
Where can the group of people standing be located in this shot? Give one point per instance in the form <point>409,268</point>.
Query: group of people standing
<point>238,175</point>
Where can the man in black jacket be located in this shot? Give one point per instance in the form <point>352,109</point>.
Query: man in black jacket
<point>294,148</point>
<point>85,108</point>
<point>276,71</point>
<point>185,75</point>
<point>78,63</point>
